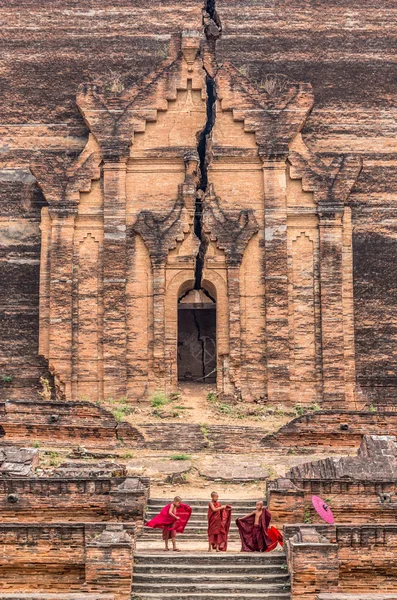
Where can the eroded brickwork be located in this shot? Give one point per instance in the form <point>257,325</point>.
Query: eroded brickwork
<point>341,558</point>
<point>359,489</point>
<point>222,151</point>
<point>67,558</point>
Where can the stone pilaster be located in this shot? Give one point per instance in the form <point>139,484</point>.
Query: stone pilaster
<point>276,280</point>
<point>331,298</point>
<point>312,562</point>
<point>61,296</point>
<point>45,266</point>
<point>114,279</point>
<point>109,562</point>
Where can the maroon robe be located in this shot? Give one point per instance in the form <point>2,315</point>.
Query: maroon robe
<point>168,523</point>
<point>258,538</point>
<point>218,526</point>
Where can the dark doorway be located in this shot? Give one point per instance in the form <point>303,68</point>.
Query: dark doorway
<point>197,338</point>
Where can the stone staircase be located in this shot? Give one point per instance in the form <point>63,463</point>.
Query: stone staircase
<point>197,527</point>
<point>211,576</point>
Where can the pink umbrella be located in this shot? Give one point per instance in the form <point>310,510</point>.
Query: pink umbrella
<point>323,509</point>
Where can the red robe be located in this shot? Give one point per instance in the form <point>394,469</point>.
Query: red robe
<point>169,524</point>
<point>218,526</point>
<point>258,538</point>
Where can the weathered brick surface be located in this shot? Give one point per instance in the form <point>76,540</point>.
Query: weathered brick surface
<point>357,502</point>
<point>62,558</point>
<point>362,561</point>
<point>82,500</point>
<point>312,562</point>
<point>359,489</point>
<point>332,429</point>
<point>69,423</point>
<point>18,462</point>
<point>277,221</point>
<point>346,50</point>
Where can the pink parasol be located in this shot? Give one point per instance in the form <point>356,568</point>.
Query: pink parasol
<point>323,509</point>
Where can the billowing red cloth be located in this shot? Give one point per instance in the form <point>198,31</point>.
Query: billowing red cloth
<point>218,526</point>
<point>258,538</point>
<point>166,521</point>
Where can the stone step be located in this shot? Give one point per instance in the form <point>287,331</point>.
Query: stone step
<point>245,587</point>
<point>248,505</point>
<point>272,595</point>
<point>227,579</point>
<point>190,532</point>
<point>201,534</point>
<point>195,524</point>
<point>199,515</point>
<point>207,558</point>
<point>210,570</point>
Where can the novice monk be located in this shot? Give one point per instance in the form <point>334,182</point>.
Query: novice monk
<point>219,517</point>
<point>255,533</point>
<point>172,520</point>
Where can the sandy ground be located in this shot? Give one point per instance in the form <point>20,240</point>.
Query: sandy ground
<point>197,403</point>
<point>190,547</point>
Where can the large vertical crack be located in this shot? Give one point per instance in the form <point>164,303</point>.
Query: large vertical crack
<point>203,181</point>
<point>212,28</point>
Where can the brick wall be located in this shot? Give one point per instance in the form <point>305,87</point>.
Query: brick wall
<point>82,500</point>
<point>344,558</point>
<point>70,423</point>
<point>66,557</point>
<point>332,429</point>
<point>358,502</point>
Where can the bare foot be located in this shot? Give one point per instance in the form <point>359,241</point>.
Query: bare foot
<point>176,550</point>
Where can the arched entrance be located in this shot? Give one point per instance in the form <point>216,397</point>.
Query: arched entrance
<point>197,337</point>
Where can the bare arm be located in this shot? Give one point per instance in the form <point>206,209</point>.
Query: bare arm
<point>249,515</point>
<point>216,509</point>
<point>172,513</point>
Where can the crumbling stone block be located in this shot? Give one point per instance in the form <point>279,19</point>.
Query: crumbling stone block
<point>18,462</point>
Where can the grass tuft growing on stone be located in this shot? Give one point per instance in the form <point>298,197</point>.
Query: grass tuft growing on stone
<point>158,399</point>
<point>180,457</point>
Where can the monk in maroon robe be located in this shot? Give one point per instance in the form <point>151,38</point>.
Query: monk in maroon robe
<point>172,519</point>
<point>219,517</point>
<point>255,533</point>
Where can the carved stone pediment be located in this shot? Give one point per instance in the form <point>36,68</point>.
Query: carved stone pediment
<point>161,232</point>
<point>62,177</point>
<point>331,183</point>
<point>232,230</point>
<point>114,117</point>
<point>274,113</point>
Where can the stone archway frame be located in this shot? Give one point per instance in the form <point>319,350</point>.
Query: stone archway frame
<point>212,282</point>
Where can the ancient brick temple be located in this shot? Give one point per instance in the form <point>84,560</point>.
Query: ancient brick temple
<point>196,235</point>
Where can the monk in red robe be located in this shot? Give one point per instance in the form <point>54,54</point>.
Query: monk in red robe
<point>219,517</point>
<point>255,533</point>
<point>172,519</point>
